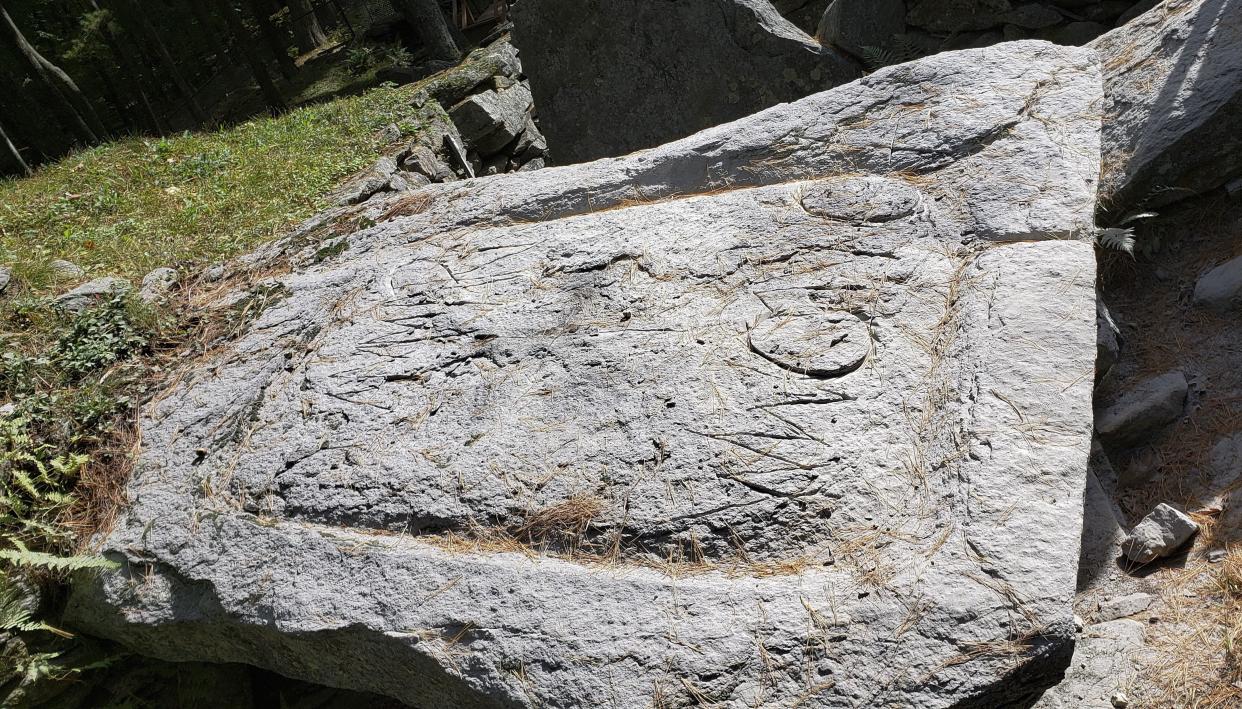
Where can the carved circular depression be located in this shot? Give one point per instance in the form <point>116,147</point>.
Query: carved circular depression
<point>817,345</point>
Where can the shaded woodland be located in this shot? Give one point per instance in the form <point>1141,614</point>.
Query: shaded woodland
<point>74,73</point>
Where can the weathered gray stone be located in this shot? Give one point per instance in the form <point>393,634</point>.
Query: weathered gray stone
<point>1163,531</point>
<point>805,14</point>
<point>612,76</point>
<point>1075,33</point>
<point>1123,606</point>
<point>1135,10</point>
<point>856,25</point>
<point>424,161</point>
<point>1105,663</point>
<point>1221,287</point>
<point>157,284</point>
<point>91,293</point>
<point>1143,410</point>
<point>1173,103</point>
<point>957,15</point>
<point>530,144</point>
<point>517,448</point>
<point>407,181</point>
<point>490,120</point>
<point>1032,16</point>
<point>1221,488</point>
<point>367,183</point>
<point>66,270</point>
<point>534,164</point>
<point>6,275</point>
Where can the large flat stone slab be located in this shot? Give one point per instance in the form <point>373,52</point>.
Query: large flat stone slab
<point>793,412</point>
<point>613,76</point>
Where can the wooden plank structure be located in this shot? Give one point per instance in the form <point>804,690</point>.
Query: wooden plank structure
<point>472,13</point>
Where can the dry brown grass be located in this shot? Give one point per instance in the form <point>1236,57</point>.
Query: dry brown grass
<point>100,492</point>
<point>407,206</point>
<point>564,524</point>
<point>1199,644</point>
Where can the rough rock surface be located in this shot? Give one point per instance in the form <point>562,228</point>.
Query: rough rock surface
<point>157,283</point>
<point>1160,533</point>
<point>1108,340</point>
<point>92,292</point>
<point>1173,108</point>
<point>1221,287</point>
<point>1102,531</point>
<point>490,120</point>
<point>1143,410</point>
<point>753,419</point>
<point>612,76</point>
<point>1103,666</point>
<point>1122,606</point>
<point>66,269</point>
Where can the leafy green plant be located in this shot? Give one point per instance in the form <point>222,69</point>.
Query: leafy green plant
<point>365,57</point>
<point>99,337</point>
<point>61,373</point>
<point>360,59</point>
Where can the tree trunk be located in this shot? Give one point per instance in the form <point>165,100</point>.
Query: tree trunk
<point>24,118</point>
<point>208,30</point>
<point>112,97</point>
<point>12,150</point>
<point>305,25</point>
<point>272,36</point>
<point>86,122</point>
<point>246,46</point>
<point>137,17</point>
<point>135,75</point>
<point>425,18</point>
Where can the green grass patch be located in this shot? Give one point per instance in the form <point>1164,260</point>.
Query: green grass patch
<point>127,207</point>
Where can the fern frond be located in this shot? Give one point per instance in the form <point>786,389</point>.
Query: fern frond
<point>875,57</point>
<point>1135,216</point>
<point>1116,238</point>
<point>15,615</point>
<point>38,559</point>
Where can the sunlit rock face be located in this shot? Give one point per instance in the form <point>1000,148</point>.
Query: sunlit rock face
<point>794,411</point>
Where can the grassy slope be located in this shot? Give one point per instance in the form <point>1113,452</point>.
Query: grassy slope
<point>69,383</point>
<point>130,206</point>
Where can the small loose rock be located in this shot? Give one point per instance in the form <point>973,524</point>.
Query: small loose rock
<point>1160,533</point>
<point>66,269</point>
<point>156,284</point>
<point>91,292</point>
<point>1123,606</point>
<point>1221,287</point>
<point>1144,410</point>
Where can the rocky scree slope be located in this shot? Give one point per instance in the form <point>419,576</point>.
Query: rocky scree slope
<point>750,418</point>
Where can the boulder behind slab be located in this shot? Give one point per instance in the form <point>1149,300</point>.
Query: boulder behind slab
<point>1221,287</point>
<point>1173,103</point>
<point>612,76</point>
